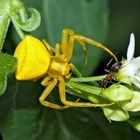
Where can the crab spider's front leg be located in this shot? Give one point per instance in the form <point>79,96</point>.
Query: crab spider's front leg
<point>69,50</point>
<point>82,40</point>
<point>75,104</point>
<point>50,85</point>
<point>64,42</point>
<point>94,43</point>
<point>67,44</point>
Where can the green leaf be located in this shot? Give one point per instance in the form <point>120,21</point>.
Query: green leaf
<point>21,118</point>
<point>135,122</point>
<point>89,18</point>
<point>33,124</point>
<point>7,65</point>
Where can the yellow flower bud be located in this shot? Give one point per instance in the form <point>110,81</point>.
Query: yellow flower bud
<point>33,59</point>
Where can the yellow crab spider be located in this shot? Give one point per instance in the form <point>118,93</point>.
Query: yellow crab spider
<point>36,60</point>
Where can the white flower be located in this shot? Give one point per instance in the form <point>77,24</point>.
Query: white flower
<point>130,71</point>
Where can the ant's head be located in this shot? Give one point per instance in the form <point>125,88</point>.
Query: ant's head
<point>116,66</point>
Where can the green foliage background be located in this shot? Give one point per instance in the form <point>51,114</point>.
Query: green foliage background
<point>21,115</point>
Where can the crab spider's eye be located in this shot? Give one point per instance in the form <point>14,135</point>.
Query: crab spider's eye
<point>33,59</point>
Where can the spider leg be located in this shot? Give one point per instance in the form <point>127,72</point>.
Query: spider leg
<point>67,44</point>
<point>49,48</point>
<point>46,80</point>
<point>64,42</point>
<point>46,92</point>
<point>75,104</point>
<point>94,43</point>
<point>58,49</point>
<point>70,47</point>
<point>84,50</point>
<point>82,40</point>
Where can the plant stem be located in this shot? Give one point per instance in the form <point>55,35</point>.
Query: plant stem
<point>76,72</point>
<point>89,92</point>
<point>19,31</point>
<point>92,90</point>
<point>88,79</point>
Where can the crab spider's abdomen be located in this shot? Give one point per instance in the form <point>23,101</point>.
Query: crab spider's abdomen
<point>33,59</point>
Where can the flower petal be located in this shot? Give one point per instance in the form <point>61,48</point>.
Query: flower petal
<point>132,67</point>
<point>131,48</point>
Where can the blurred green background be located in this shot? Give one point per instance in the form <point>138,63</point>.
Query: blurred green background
<point>123,20</point>
<point>107,21</point>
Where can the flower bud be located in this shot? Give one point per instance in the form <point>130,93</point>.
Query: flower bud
<point>115,113</point>
<point>134,104</point>
<point>117,93</point>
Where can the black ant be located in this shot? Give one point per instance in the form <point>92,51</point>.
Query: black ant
<point>111,72</point>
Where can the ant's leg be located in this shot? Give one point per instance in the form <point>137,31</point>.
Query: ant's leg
<point>64,42</point>
<point>46,92</point>
<point>94,43</point>
<point>75,104</point>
